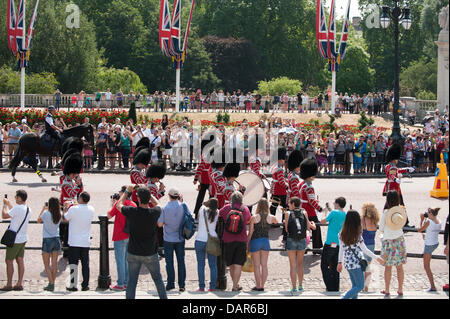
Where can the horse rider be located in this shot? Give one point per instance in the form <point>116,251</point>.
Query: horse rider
<point>50,127</point>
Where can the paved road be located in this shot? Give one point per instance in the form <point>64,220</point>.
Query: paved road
<point>356,191</point>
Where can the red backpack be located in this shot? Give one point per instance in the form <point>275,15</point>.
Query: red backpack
<point>234,223</point>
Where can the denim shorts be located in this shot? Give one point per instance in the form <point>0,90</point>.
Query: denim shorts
<point>50,245</point>
<point>259,244</point>
<point>292,244</point>
<point>430,248</point>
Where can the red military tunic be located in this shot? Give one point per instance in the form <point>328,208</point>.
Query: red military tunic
<point>308,198</point>
<point>294,185</point>
<point>392,172</point>
<point>137,176</point>
<point>154,191</point>
<point>218,184</point>
<point>202,173</point>
<point>279,184</point>
<point>70,190</point>
<point>255,166</point>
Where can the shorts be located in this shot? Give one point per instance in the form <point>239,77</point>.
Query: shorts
<point>430,248</point>
<point>50,245</point>
<point>292,244</point>
<point>258,244</point>
<point>340,159</point>
<point>16,251</point>
<point>235,253</point>
<point>330,159</point>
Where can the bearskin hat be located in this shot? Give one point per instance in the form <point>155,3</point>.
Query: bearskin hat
<point>232,170</point>
<point>143,142</point>
<point>156,171</point>
<point>141,156</point>
<point>393,152</point>
<point>69,152</point>
<point>72,142</point>
<point>281,153</point>
<point>73,164</point>
<point>308,168</point>
<point>294,160</point>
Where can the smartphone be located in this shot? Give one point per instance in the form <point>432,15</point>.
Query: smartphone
<point>46,204</point>
<point>6,195</point>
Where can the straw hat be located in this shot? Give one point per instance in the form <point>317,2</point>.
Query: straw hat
<point>396,218</point>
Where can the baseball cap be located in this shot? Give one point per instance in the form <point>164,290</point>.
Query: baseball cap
<point>174,192</point>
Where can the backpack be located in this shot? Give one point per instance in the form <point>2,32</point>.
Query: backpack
<point>297,225</point>
<point>234,223</point>
<point>187,227</point>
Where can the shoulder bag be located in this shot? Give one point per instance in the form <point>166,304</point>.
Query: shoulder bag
<point>9,237</point>
<point>362,262</point>
<point>213,243</point>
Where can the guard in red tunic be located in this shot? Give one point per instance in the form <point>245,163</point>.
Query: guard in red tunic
<point>141,158</point>
<point>393,173</point>
<point>71,187</point>
<point>218,181</point>
<point>294,160</point>
<point>231,172</point>
<point>308,172</point>
<point>279,184</point>
<point>255,144</point>
<point>155,173</point>
<point>202,173</point>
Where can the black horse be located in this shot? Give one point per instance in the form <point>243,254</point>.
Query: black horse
<point>31,144</point>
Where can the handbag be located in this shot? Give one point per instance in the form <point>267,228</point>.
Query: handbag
<point>213,243</point>
<point>248,265</point>
<point>362,262</point>
<point>9,237</point>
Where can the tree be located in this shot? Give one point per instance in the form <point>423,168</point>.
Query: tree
<point>116,79</point>
<point>420,76</point>
<point>35,83</point>
<point>280,85</point>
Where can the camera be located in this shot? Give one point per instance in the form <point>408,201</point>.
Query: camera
<point>6,195</point>
<point>116,196</point>
<point>425,215</point>
<point>46,204</point>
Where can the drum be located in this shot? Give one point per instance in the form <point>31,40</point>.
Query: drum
<point>266,185</point>
<point>254,188</point>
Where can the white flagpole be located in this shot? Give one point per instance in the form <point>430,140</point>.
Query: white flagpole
<point>177,89</point>
<point>333,89</point>
<point>22,78</point>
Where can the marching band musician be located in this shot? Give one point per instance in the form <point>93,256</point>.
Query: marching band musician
<point>231,172</point>
<point>71,187</point>
<point>393,173</point>
<point>155,173</point>
<point>308,172</point>
<point>279,184</point>
<point>218,181</point>
<point>141,159</point>
<point>255,161</point>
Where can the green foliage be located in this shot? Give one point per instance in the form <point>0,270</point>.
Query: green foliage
<point>331,127</point>
<point>364,121</point>
<point>116,79</point>
<point>37,83</point>
<point>425,95</point>
<point>226,118</point>
<point>421,75</point>
<point>132,112</point>
<point>219,117</point>
<point>280,85</point>
<point>314,122</point>
<point>313,91</point>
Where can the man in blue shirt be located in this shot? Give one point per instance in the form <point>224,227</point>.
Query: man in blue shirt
<point>330,251</point>
<point>14,135</point>
<point>171,219</point>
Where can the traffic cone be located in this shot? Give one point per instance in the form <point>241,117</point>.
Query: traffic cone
<point>440,188</point>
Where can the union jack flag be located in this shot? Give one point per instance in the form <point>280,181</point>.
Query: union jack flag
<point>11,27</point>
<point>175,47</point>
<point>332,33</point>
<point>32,25</point>
<point>321,30</point>
<point>344,36</point>
<point>20,32</point>
<point>188,27</point>
<point>164,28</point>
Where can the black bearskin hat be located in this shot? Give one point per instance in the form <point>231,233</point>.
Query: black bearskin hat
<point>282,153</point>
<point>72,142</point>
<point>141,156</point>
<point>69,152</point>
<point>232,170</point>
<point>143,142</point>
<point>393,152</point>
<point>156,171</point>
<point>73,164</point>
<point>309,168</point>
<point>294,160</point>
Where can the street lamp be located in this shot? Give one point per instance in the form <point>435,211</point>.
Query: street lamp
<point>397,15</point>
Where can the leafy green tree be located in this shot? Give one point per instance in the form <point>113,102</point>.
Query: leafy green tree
<point>116,79</point>
<point>280,85</point>
<point>35,83</point>
<point>419,76</point>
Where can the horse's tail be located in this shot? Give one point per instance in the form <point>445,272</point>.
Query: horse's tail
<point>16,159</point>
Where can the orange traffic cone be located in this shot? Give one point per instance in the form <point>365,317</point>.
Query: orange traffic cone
<point>440,188</point>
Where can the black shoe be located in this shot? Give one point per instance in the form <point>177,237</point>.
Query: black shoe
<point>182,289</point>
<point>168,288</point>
<point>85,289</point>
<point>72,289</point>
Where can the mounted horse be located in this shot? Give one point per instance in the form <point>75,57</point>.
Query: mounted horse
<point>30,145</point>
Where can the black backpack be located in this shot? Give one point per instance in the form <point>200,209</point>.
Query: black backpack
<point>234,223</point>
<point>297,225</point>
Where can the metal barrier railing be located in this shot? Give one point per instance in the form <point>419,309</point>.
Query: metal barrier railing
<point>104,278</point>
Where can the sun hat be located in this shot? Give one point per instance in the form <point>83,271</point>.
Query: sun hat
<point>396,218</point>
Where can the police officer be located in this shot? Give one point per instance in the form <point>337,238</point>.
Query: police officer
<point>50,127</point>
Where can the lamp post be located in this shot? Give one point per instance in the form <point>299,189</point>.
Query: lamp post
<point>397,14</point>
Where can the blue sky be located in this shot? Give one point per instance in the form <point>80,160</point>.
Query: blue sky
<point>341,5</point>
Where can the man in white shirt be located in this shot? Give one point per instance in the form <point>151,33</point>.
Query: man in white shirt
<point>155,143</point>
<point>20,216</point>
<point>108,98</point>
<point>79,217</point>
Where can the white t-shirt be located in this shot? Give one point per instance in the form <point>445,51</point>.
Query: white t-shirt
<point>108,96</point>
<point>202,233</point>
<point>17,214</point>
<point>80,218</point>
<point>432,233</point>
